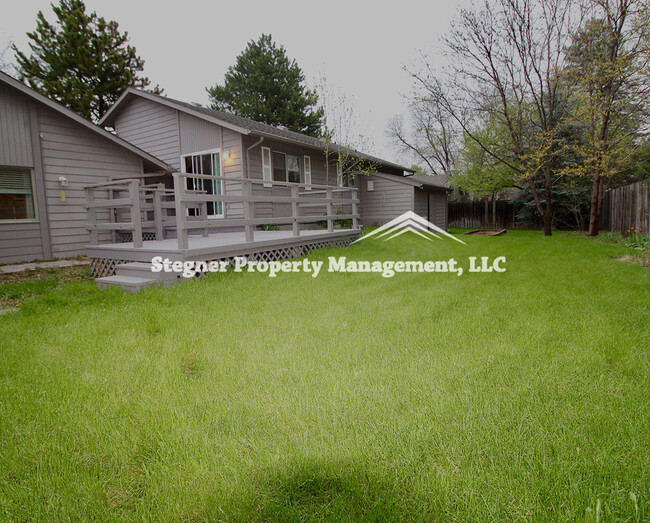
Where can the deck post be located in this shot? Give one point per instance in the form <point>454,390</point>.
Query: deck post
<point>136,216</point>
<point>295,212</point>
<point>330,210</point>
<point>112,215</point>
<point>92,215</point>
<point>355,209</point>
<point>249,211</point>
<point>179,194</point>
<point>203,211</point>
<point>158,212</point>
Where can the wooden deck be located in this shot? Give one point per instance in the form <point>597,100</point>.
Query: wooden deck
<point>174,223</point>
<point>268,245</point>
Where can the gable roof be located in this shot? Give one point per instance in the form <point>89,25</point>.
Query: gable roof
<point>150,161</point>
<point>239,124</point>
<point>416,181</point>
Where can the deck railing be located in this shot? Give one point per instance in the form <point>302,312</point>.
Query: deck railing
<point>127,207</point>
<point>301,196</point>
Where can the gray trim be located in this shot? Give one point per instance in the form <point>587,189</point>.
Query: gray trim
<point>39,182</point>
<point>108,118</point>
<point>416,181</point>
<point>64,111</point>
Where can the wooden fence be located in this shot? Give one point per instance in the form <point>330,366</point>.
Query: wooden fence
<point>500,214</point>
<point>627,207</point>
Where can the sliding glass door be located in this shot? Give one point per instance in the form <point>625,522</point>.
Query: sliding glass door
<point>208,163</point>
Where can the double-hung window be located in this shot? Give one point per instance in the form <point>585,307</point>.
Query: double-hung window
<point>16,194</point>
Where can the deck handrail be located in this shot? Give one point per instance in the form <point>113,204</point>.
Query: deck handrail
<point>148,206</point>
<point>185,198</point>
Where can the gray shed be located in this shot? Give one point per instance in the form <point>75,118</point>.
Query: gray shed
<point>386,196</point>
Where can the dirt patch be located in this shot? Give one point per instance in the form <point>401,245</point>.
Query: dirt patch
<point>642,258</point>
<point>486,232</point>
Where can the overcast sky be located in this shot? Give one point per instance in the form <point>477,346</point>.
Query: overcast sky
<point>360,47</point>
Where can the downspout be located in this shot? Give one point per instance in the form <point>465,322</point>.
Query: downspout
<point>248,158</point>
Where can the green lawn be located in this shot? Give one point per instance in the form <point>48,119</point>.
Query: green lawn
<point>523,395</point>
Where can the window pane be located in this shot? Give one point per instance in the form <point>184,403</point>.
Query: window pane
<point>279,167</point>
<point>16,197</point>
<point>293,169</point>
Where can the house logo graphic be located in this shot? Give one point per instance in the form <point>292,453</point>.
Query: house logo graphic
<point>409,222</point>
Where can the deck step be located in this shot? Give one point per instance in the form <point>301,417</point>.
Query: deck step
<point>143,270</point>
<point>128,283</point>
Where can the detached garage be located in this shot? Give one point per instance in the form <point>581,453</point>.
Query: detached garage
<point>386,196</point>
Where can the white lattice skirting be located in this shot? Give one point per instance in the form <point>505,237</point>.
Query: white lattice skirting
<point>101,267</point>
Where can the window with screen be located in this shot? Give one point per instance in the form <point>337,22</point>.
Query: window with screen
<point>16,194</point>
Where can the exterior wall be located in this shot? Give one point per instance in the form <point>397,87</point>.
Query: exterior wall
<point>438,209</point>
<point>319,174</point>
<point>432,206</point>
<point>35,136</point>
<point>152,127</point>
<point>16,143</point>
<point>388,200</point>
<point>20,240</point>
<point>84,158</point>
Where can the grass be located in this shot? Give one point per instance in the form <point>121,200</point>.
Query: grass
<point>17,287</point>
<point>523,395</point>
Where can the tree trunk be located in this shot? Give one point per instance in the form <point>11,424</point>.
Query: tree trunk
<point>596,195</point>
<point>487,213</point>
<point>494,212</point>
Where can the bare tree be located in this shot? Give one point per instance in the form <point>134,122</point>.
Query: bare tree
<point>342,138</point>
<point>5,65</point>
<point>506,61</point>
<point>433,136</point>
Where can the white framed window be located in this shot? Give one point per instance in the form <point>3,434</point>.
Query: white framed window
<point>293,169</point>
<point>16,194</point>
<point>306,161</point>
<point>207,162</point>
<point>279,167</point>
<point>267,169</point>
<point>371,185</point>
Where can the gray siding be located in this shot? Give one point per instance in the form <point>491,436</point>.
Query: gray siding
<point>388,200</point>
<point>152,127</point>
<point>432,206</point>
<point>319,174</point>
<point>70,150</point>
<point>19,240</point>
<point>198,135</point>
<point>16,144</point>
<point>438,209</point>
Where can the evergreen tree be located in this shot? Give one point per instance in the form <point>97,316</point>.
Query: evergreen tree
<point>81,61</point>
<point>266,86</point>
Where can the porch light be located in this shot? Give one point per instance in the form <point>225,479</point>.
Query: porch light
<point>226,154</point>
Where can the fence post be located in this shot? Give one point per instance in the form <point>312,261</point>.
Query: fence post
<point>249,211</point>
<point>295,213</point>
<point>179,195</point>
<point>330,210</point>
<point>92,215</point>
<point>355,209</point>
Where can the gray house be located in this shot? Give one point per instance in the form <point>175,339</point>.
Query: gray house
<point>48,154</point>
<point>180,181</point>
<point>181,134</point>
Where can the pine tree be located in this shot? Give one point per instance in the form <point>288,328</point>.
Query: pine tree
<point>81,61</point>
<point>266,86</point>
